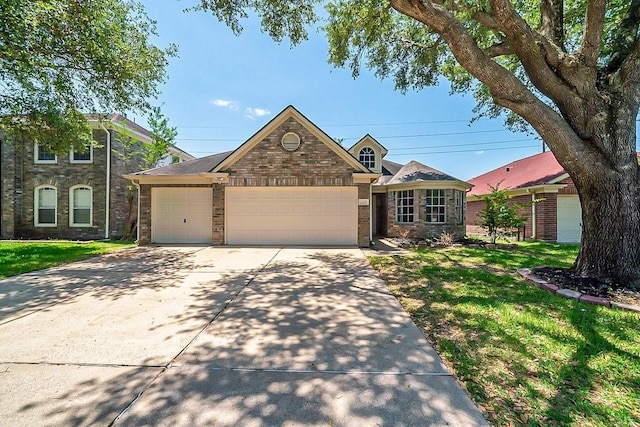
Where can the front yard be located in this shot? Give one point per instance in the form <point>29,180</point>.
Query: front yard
<point>17,257</point>
<point>526,356</point>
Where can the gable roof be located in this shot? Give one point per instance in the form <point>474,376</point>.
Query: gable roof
<point>539,169</point>
<point>414,172</point>
<point>368,140</point>
<point>190,167</point>
<point>290,112</point>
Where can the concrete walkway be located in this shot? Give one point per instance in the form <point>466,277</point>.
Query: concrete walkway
<point>199,336</point>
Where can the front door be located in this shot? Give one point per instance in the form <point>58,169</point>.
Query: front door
<point>380,214</point>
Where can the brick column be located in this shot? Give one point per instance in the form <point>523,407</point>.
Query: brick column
<point>217,223</point>
<point>144,215</point>
<point>364,216</point>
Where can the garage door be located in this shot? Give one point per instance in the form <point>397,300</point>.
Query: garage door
<point>569,219</point>
<point>291,215</point>
<point>181,215</point>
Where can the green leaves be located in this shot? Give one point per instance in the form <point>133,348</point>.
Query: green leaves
<point>60,58</point>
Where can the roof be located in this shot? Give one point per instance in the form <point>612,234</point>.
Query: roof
<point>417,172</point>
<point>190,167</point>
<point>389,169</point>
<point>531,171</point>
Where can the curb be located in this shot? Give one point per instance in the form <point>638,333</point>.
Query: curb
<point>570,293</point>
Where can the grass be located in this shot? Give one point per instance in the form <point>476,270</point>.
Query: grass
<point>526,356</point>
<point>23,257</point>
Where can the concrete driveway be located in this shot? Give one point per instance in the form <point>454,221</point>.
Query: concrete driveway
<point>200,336</point>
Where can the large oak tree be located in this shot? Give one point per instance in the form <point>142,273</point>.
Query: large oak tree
<point>570,69</point>
<point>60,59</point>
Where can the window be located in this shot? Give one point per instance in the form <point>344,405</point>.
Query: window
<point>290,141</point>
<point>404,206</point>
<point>436,206</point>
<point>459,207</point>
<point>368,157</point>
<point>80,202</point>
<point>42,155</point>
<point>45,206</point>
<point>85,156</point>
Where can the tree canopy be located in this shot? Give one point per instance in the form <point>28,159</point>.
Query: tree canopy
<point>61,59</point>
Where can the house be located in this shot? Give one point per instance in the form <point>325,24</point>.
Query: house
<point>557,217</point>
<point>290,183</point>
<point>80,195</point>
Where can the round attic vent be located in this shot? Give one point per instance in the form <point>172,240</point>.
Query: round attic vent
<point>290,141</point>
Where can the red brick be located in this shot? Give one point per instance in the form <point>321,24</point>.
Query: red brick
<point>595,300</point>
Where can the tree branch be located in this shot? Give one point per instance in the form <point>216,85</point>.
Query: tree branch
<point>592,36</point>
<point>629,76</point>
<point>499,49</point>
<point>627,35</point>
<point>552,21</point>
<point>534,52</point>
<point>506,89</point>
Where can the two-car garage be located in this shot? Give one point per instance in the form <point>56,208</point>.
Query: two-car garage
<point>257,215</point>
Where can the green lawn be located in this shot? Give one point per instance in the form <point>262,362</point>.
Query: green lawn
<point>22,257</point>
<point>526,356</point>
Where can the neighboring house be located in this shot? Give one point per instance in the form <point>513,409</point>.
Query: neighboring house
<point>290,183</point>
<point>71,196</point>
<point>556,218</point>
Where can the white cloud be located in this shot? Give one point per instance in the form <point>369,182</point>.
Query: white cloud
<point>257,112</point>
<point>226,103</point>
<point>480,152</point>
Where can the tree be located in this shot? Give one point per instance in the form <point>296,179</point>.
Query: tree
<point>568,68</point>
<point>60,59</point>
<point>162,137</point>
<point>146,155</point>
<point>498,214</point>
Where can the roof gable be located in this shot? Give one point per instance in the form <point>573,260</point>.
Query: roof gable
<point>274,124</point>
<point>367,140</point>
<point>539,169</point>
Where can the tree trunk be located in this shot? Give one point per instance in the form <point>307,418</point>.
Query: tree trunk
<point>610,199</point>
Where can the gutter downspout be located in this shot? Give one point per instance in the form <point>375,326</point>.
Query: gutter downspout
<point>108,192</point>
<point>533,216</point>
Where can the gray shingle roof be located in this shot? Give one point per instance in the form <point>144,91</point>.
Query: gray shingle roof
<point>190,167</point>
<point>417,172</point>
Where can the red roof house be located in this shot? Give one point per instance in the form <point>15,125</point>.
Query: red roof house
<point>556,218</point>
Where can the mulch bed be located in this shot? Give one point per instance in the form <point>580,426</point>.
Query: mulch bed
<point>565,278</point>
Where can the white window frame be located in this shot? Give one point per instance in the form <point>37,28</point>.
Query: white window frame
<point>370,160</point>
<point>431,195</point>
<point>72,222</point>
<point>36,154</point>
<point>459,203</point>
<point>72,158</point>
<point>36,206</point>
<point>405,200</point>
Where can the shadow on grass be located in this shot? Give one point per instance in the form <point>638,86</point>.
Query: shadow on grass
<point>527,356</point>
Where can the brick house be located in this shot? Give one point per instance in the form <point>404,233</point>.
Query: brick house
<point>290,183</point>
<point>556,218</point>
<point>66,196</point>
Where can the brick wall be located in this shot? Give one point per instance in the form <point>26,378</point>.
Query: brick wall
<point>21,175</point>
<point>8,159</point>
<point>420,228</point>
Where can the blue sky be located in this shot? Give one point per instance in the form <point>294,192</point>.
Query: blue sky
<point>223,88</point>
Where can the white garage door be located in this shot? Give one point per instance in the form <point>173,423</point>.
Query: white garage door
<point>569,219</point>
<point>291,215</point>
<point>181,215</point>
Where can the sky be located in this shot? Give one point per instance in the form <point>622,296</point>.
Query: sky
<point>223,88</point>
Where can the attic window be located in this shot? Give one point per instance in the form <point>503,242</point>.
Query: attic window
<point>290,141</point>
<point>368,157</point>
